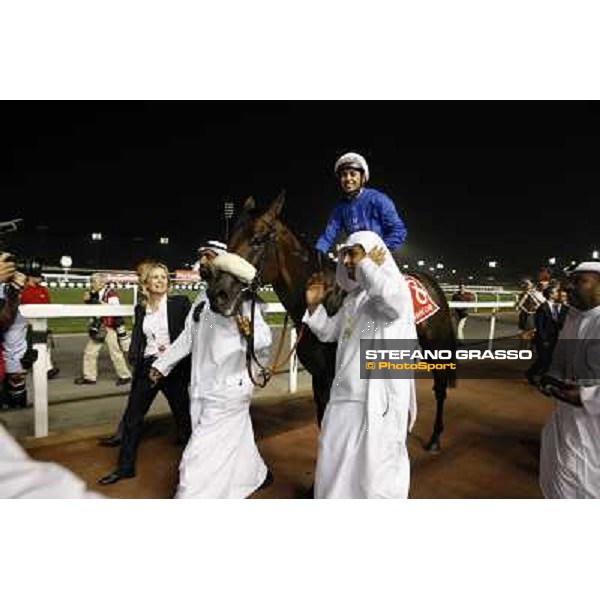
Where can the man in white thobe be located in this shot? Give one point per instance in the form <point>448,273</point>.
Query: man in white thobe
<point>570,449</point>
<point>189,338</point>
<point>362,446</point>
<point>23,477</point>
<point>221,459</point>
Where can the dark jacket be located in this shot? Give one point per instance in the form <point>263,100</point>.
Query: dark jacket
<point>178,308</point>
<point>547,327</point>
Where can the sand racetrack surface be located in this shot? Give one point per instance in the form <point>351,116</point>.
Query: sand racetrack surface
<point>490,446</point>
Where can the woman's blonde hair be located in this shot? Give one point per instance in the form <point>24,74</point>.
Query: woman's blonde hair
<point>147,269</point>
<point>142,267</point>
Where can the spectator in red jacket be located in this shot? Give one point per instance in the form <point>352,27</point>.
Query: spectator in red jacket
<point>34,292</point>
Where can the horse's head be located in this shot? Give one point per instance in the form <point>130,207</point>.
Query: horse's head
<point>280,258</point>
<point>262,239</point>
<point>230,284</point>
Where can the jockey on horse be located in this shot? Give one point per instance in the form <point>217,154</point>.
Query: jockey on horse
<point>361,209</point>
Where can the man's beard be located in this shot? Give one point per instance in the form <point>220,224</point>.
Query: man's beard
<point>578,300</point>
<point>205,273</point>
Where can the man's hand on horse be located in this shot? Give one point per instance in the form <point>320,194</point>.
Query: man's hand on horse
<point>243,325</point>
<point>320,278</point>
<point>315,291</point>
<point>377,255</point>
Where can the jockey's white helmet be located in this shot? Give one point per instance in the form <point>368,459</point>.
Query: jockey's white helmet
<point>352,160</point>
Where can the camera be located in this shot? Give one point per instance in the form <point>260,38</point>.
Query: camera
<point>97,329</point>
<point>31,266</point>
<point>28,265</point>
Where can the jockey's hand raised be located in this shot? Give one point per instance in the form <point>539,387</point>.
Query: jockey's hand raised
<point>377,255</point>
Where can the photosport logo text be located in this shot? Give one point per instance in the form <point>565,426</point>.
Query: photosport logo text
<point>388,359</point>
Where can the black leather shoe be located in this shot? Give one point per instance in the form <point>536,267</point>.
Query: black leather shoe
<point>123,381</point>
<point>84,381</point>
<point>52,373</point>
<point>110,441</point>
<point>115,476</point>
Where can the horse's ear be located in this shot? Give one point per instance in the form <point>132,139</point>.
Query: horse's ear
<point>277,205</point>
<point>249,204</point>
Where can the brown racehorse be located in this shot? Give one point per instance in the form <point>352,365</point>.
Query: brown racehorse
<point>287,263</point>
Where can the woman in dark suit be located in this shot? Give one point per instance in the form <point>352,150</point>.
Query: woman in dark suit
<point>158,323</point>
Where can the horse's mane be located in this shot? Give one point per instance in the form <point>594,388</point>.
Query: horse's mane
<point>325,262</point>
<point>248,216</point>
<point>245,218</point>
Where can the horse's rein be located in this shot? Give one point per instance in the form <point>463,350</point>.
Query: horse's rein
<point>265,372</point>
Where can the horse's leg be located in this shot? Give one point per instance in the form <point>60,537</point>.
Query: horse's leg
<point>317,397</point>
<point>321,385</point>
<point>440,384</point>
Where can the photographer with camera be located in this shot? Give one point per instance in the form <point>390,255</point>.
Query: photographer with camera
<point>7,270</point>
<point>9,305</point>
<point>16,356</point>
<point>104,330</point>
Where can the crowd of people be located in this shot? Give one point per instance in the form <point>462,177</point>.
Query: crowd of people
<point>195,355</point>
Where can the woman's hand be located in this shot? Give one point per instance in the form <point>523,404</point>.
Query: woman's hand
<point>155,375</point>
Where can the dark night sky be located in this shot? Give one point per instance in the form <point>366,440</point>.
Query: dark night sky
<point>514,181</point>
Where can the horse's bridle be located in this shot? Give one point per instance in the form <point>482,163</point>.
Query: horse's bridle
<point>260,245</point>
